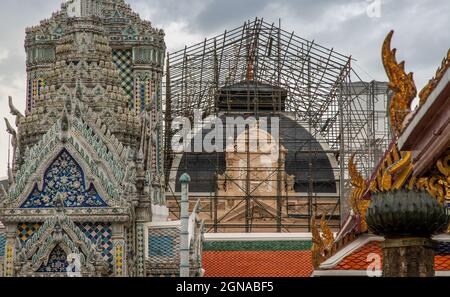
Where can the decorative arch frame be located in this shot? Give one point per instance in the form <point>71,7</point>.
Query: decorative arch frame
<point>38,180</point>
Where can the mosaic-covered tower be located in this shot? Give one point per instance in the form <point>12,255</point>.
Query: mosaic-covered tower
<point>85,189</point>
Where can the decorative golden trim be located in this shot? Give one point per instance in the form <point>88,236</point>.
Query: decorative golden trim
<point>394,172</point>
<point>437,181</point>
<point>401,84</point>
<point>432,83</point>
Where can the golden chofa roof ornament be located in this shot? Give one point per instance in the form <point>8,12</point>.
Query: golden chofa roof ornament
<point>401,84</point>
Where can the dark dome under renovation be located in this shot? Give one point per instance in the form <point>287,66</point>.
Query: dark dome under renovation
<point>306,159</point>
<point>269,78</point>
<point>234,172</point>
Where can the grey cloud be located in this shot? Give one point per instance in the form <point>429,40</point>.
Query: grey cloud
<point>218,14</point>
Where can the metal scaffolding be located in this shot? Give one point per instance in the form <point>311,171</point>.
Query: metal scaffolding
<point>261,70</point>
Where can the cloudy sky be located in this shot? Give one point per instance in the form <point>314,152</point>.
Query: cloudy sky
<point>351,27</point>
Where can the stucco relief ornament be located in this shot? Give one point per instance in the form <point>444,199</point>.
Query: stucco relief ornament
<point>20,252</point>
<point>20,262</point>
<point>65,126</point>
<point>83,42</point>
<point>79,91</point>
<point>144,156</point>
<point>131,264</point>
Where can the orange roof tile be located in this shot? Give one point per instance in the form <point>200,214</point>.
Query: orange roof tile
<point>358,260</point>
<point>442,263</point>
<point>257,263</point>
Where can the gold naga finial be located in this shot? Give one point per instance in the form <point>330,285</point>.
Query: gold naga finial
<point>400,83</point>
<point>328,237</point>
<point>358,204</point>
<point>317,244</point>
<point>322,243</point>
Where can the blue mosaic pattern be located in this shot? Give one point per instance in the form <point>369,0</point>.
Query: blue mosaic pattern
<point>160,246</point>
<point>2,244</point>
<point>57,261</point>
<point>64,176</point>
<point>123,59</point>
<point>100,233</point>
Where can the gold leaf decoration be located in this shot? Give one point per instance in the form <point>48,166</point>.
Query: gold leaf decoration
<point>393,172</point>
<point>398,170</point>
<point>401,84</point>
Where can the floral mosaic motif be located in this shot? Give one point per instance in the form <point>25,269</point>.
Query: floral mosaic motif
<point>57,261</point>
<point>64,176</point>
<point>100,234</point>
